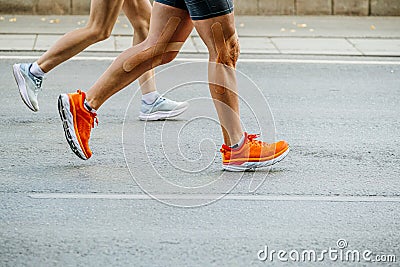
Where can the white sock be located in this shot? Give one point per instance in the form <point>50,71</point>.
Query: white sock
<point>149,98</point>
<point>88,107</point>
<point>36,70</point>
<point>240,143</point>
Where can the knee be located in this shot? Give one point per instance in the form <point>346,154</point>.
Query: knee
<point>141,22</point>
<point>229,53</point>
<point>161,57</point>
<point>168,57</point>
<point>141,25</point>
<point>138,13</point>
<point>99,33</point>
<point>235,50</point>
<point>150,55</point>
<point>141,30</point>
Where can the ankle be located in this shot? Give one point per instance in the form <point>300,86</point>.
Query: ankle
<point>36,70</point>
<point>88,107</point>
<point>92,101</point>
<point>149,98</point>
<point>238,142</point>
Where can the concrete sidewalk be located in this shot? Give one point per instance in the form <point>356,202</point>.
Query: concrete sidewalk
<point>291,35</point>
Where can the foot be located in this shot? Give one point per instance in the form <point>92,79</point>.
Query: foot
<point>253,154</point>
<point>162,108</point>
<point>77,121</point>
<point>28,85</point>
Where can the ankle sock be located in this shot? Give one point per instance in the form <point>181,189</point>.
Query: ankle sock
<point>88,107</point>
<point>239,144</point>
<point>149,98</point>
<point>36,70</point>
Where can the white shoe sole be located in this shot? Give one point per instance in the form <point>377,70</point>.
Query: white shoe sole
<point>20,80</point>
<point>68,125</point>
<point>161,115</point>
<point>254,165</point>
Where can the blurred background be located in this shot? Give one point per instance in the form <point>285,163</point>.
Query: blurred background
<point>242,7</point>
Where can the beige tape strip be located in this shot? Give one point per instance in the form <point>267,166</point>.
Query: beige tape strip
<point>147,54</point>
<point>156,52</point>
<point>219,41</point>
<point>165,37</point>
<point>222,73</point>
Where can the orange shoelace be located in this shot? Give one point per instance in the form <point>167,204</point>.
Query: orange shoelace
<point>253,142</point>
<point>94,119</point>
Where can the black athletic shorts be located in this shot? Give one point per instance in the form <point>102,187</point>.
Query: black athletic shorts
<point>202,9</point>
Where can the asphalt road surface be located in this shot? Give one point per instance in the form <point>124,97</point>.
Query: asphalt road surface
<point>151,194</point>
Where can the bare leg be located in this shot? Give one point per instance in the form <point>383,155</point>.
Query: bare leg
<point>138,13</point>
<point>116,78</point>
<point>103,15</point>
<point>225,98</point>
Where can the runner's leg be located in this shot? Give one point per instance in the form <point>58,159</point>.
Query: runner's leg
<point>29,76</point>
<point>138,13</point>
<point>119,75</point>
<point>103,15</point>
<point>223,54</point>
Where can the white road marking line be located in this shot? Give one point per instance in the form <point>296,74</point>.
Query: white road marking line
<point>244,60</point>
<point>212,197</point>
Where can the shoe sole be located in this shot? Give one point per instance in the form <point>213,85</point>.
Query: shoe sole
<point>247,166</point>
<point>68,125</point>
<point>20,80</point>
<point>161,115</point>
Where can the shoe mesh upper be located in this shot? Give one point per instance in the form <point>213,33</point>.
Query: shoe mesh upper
<point>161,104</point>
<point>83,120</point>
<point>253,149</point>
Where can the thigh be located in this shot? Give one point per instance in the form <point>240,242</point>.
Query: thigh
<point>161,15</point>
<point>104,13</point>
<point>205,30</point>
<point>206,9</point>
<point>135,9</point>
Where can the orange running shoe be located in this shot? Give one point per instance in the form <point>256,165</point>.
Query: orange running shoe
<point>77,121</point>
<point>253,154</point>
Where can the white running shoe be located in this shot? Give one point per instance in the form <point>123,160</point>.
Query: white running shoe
<point>162,108</point>
<point>28,85</point>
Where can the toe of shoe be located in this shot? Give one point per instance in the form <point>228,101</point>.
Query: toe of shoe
<point>281,146</point>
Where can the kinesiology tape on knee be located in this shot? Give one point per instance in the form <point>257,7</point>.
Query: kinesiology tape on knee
<point>227,55</point>
<point>157,51</point>
<point>227,50</point>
